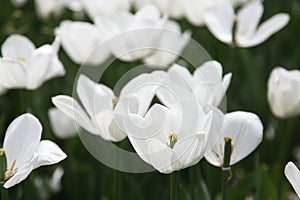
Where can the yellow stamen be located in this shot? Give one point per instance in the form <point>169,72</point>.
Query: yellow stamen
<point>10,172</point>
<point>173,139</point>
<point>115,100</point>
<point>21,59</point>
<point>2,151</point>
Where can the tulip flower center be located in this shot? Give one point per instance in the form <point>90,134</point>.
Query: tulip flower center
<point>172,140</point>
<point>11,171</point>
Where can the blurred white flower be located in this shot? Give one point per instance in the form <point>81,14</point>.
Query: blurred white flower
<point>61,124</point>
<point>293,175</point>
<point>194,10</point>
<point>246,131</point>
<point>100,8</point>
<point>83,42</point>
<point>206,83</point>
<point>131,36</point>
<point>172,8</point>
<point>18,3</point>
<point>221,19</point>
<point>283,92</point>
<point>171,44</point>
<point>169,140</point>
<point>24,66</point>
<point>55,180</point>
<point>24,150</point>
<point>46,8</point>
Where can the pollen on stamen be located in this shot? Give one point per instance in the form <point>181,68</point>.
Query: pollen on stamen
<point>173,139</point>
<point>115,100</point>
<point>10,172</point>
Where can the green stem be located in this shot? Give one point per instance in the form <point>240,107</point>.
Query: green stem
<point>173,185</point>
<point>203,184</point>
<point>226,171</point>
<point>117,184</point>
<point>4,193</point>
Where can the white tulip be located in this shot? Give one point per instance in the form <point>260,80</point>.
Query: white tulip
<point>246,131</point>
<point>24,66</point>
<point>220,21</point>
<point>131,36</point>
<point>100,8</point>
<point>83,43</point>
<point>62,125</point>
<point>55,180</point>
<point>172,8</point>
<point>168,50</point>
<point>97,116</point>
<point>18,3</point>
<point>171,141</point>
<point>206,83</point>
<point>24,150</point>
<point>283,92</point>
<point>293,175</point>
<point>46,8</point>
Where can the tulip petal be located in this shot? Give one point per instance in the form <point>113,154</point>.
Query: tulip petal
<point>144,88</point>
<point>82,42</point>
<point>219,20</point>
<point>94,97</point>
<point>18,46</point>
<point>71,108</point>
<point>62,125</point>
<point>162,157</point>
<point>293,175</point>
<point>49,153</point>
<point>22,139</point>
<point>248,19</point>
<point>265,30</point>
<point>109,129</point>
<point>246,131</point>
<point>22,172</point>
<point>13,73</point>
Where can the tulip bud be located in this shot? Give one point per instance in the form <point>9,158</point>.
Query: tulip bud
<point>284,92</point>
<point>3,164</point>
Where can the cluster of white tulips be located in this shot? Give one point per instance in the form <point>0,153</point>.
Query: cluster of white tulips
<point>185,124</point>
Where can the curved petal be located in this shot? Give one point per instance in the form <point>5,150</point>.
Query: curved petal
<point>22,139</point>
<point>162,157</point>
<point>55,181</point>
<point>265,30</point>
<point>82,42</point>
<point>293,175</point>
<point>109,129</point>
<point>13,73</point>
<point>248,19</point>
<point>22,172</point>
<point>219,20</point>
<point>190,149</point>
<point>62,125</point>
<point>49,153</point>
<point>17,46</point>
<point>94,97</point>
<point>246,131</point>
<point>144,88</point>
<point>71,108</point>
<point>38,67</point>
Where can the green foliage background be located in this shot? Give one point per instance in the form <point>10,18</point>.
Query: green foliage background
<point>260,175</point>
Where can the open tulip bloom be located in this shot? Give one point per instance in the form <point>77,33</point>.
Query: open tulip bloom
<point>206,83</point>
<point>100,104</point>
<point>221,20</point>
<point>131,36</point>
<point>283,92</point>
<point>24,66</point>
<point>170,140</point>
<point>25,151</point>
<point>293,175</point>
<point>245,130</point>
